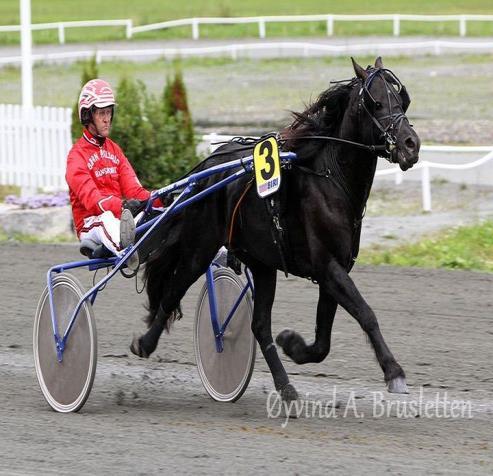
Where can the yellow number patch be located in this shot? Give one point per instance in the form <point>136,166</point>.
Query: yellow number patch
<point>267,167</point>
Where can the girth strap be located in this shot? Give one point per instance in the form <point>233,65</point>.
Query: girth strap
<point>278,235</point>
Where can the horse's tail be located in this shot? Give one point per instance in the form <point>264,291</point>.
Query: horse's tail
<point>159,271</point>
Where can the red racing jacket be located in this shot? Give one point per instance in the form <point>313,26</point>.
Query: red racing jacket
<point>98,177</point>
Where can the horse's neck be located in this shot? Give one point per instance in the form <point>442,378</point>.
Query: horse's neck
<point>354,169</point>
<point>358,165</point>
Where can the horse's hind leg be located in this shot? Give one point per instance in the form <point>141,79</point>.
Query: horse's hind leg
<point>190,267</point>
<point>294,345</point>
<point>146,344</point>
<point>342,288</point>
<point>265,288</point>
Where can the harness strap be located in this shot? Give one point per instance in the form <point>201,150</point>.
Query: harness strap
<point>277,231</point>
<point>235,210</point>
<point>334,173</point>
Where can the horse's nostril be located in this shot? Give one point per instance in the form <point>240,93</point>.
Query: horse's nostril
<point>410,144</point>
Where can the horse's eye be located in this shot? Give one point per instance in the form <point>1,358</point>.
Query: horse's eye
<point>378,105</point>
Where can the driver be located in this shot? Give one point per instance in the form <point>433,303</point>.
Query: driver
<point>99,176</point>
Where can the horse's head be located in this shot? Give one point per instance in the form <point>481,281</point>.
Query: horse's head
<point>382,106</point>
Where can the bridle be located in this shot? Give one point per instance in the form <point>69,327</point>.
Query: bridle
<point>393,87</point>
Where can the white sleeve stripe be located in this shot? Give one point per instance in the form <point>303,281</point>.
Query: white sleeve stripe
<point>100,203</point>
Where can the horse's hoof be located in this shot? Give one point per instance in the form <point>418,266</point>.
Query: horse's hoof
<point>136,348</point>
<point>284,337</point>
<point>398,385</point>
<point>288,393</point>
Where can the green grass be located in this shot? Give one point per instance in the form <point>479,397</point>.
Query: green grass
<point>8,190</point>
<point>468,247</point>
<point>153,11</point>
<point>7,237</point>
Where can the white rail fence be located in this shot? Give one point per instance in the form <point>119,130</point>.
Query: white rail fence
<point>33,146</point>
<point>396,20</point>
<point>425,166</point>
<point>329,19</point>
<point>213,141</point>
<point>63,25</point>
<point>270,49</point>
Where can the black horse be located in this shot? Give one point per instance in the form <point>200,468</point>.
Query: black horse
<point>311,229</point>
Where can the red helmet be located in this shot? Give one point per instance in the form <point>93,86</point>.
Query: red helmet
<point>95,92</point>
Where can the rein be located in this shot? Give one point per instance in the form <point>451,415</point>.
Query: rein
<point>372,148</point>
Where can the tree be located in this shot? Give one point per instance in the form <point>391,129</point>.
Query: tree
<point>158,141</point>
<point>175,103</point>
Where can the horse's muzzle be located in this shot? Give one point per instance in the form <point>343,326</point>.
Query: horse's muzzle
<point>406,154</point>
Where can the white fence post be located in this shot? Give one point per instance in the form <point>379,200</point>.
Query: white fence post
<point>398,176</point>
<point>212,138</point>
<point>129,29</point>
<point>330,25</point>
<point>425,185</point>
<point>397,25</point>
<point>3,145</point>
<point>61,33</point>
<point>26,167</point>
<point>261,28</point>
<point>462,26</point>
<point>195,29</point>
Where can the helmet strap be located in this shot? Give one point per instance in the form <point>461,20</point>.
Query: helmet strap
<point>91,127</point>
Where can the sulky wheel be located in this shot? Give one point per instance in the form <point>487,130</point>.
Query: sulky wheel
<point>225,375</point>
<point>67,384</point>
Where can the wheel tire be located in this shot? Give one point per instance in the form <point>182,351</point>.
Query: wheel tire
<point>225,375</point>
<point>67,384</point>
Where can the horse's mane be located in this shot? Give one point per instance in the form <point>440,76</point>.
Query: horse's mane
<point>321,118</point>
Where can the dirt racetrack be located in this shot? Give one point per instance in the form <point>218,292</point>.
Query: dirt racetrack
<point>153,416</point>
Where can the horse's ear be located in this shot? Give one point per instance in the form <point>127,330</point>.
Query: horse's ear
<point>379,63</point>
<point>360,72</point>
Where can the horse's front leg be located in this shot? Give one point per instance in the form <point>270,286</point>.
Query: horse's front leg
<point>265,288</point>
<point>342,288</point>
<point>294,345</point>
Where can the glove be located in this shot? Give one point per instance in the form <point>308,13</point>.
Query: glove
<point>160,201</point>
<point>135,206</point>
<point>111,204</point>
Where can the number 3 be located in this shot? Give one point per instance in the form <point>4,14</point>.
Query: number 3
<point>266,154</point>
